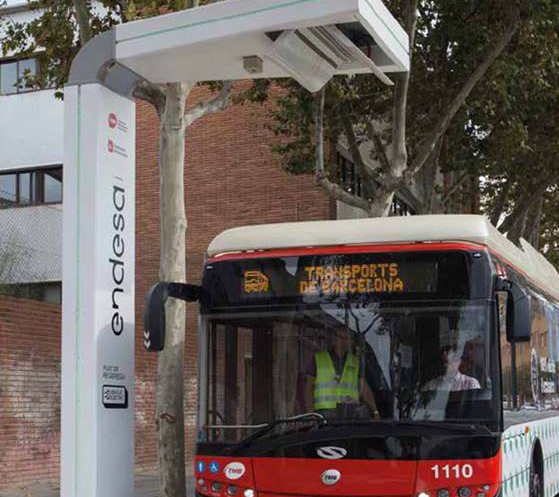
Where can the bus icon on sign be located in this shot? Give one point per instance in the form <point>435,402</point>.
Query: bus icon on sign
<point>255,282</point>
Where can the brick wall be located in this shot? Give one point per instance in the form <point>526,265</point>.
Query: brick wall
<point>232,179</point>
<point>29,391</point>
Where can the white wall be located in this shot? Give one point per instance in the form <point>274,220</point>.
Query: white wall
<point>31,134</point>
<point>32,130</point>
<point>345,211</point>
<point>31,124</point>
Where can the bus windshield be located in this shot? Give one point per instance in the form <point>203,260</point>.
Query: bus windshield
<point>284,341</point>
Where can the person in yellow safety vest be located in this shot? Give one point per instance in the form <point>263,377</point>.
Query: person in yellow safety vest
<point>334,380</point>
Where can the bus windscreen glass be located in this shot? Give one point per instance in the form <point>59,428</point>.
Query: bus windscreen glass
<point>312,334</point>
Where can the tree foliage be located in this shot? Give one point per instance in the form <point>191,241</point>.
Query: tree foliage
<point>477,104</point>
<point>513,131</point>
<point>52,38</point>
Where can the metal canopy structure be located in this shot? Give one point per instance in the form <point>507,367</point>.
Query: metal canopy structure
<point>248,39</point>
<point>309,40</point>
<point>232,30</point>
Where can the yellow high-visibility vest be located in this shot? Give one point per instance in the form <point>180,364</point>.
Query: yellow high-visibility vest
<point>328,392</point>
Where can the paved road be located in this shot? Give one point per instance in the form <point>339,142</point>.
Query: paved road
<point>145,485</point>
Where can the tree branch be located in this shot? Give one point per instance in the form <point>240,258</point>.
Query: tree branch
<point>457,184</point>
<point>515,232</point>
<point>220,102</point>
<point>399,150</point>
<point>533,224</point>
<point>428,145</point>
<point>123,8</point>
<point>363,169</point>
<point>332,189</point>
<point>411,22</point>
<point>83,17</point>
<point>318,116</point>
<point>410,198</point>
<point>380,149</point>
<point>153,94</point>
<point>122,4</point>
<point>522,207</point>
<point>474,11</point>
<point>501,202</point>
<point>338,193</point>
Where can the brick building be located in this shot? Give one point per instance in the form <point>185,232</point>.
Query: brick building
<point>232,179</point>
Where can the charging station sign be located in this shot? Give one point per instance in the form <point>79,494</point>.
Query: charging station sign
<point>115,397</point>
<point>98,313</point>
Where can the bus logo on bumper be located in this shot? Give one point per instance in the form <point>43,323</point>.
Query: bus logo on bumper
<point>330,477</point>
<point>234,470</point>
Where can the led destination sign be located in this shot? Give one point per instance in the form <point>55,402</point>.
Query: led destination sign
<point>315,278</point>
<point>351,278</point>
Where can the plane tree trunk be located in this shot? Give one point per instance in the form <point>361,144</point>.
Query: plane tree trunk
<point>170,383</point>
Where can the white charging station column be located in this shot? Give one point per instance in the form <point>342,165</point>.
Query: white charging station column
<point>98,294</point>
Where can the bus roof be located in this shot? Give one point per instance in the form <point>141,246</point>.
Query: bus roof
<point>406,229</point>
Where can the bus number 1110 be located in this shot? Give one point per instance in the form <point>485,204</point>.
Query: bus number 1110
<point>458,470</point>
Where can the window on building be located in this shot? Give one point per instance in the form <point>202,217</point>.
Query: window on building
<point>347,175</point>
<point>400,208</point>
<point>350,180</point>
<point>31,187</point>
<point>50,292</point>
<point>13,73</point>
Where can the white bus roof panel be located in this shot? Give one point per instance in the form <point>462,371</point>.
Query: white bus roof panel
<point>408,229</point>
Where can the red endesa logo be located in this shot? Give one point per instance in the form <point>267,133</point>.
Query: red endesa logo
<point>111,146</point>
<point>112,120</point>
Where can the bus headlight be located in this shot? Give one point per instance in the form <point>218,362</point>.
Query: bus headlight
<point>464,492</point>
<point>249,492</point>
<point>443,492</point>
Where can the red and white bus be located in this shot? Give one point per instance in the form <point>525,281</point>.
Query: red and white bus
<point>453,336</point>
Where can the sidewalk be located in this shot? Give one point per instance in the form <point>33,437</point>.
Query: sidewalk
<point>145,485</point>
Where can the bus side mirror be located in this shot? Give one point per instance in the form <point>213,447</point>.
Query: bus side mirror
<point>154,311</point>
<point>519,321</point>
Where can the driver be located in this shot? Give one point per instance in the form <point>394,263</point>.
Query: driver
<point>452,379</point>
<point>334,384</point>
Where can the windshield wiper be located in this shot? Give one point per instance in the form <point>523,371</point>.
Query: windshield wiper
<point>309,416</point>
<point>476,425</point>
<point>443,425</point>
